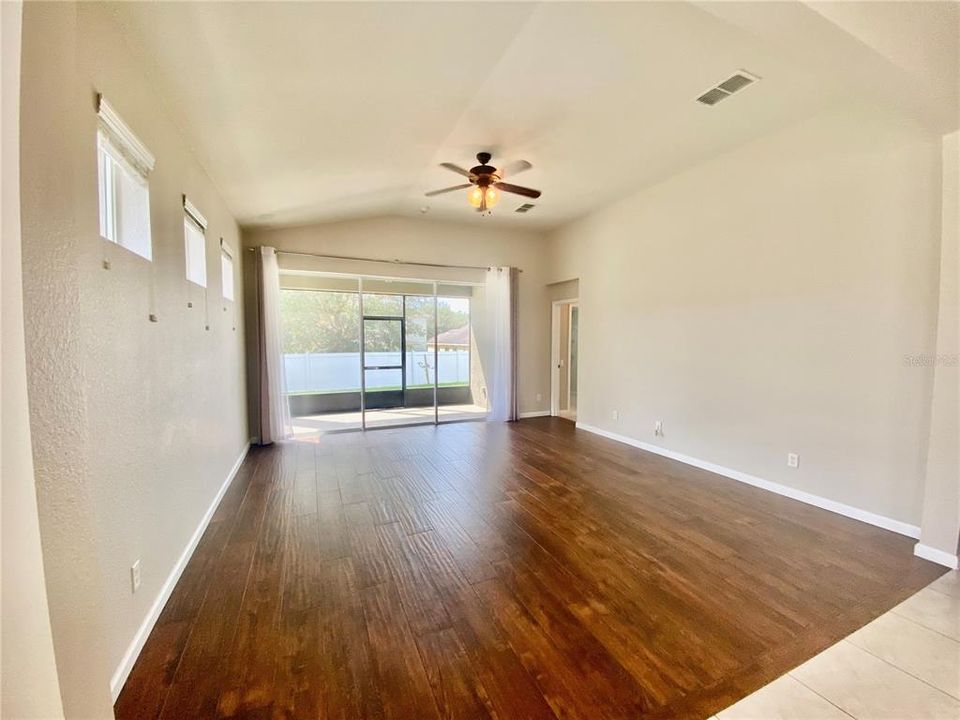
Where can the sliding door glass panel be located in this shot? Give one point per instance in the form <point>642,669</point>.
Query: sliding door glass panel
<point>382,341</point>
<point>383,363</point>
<point>400,374</point>
<point>321,352</point>
<point>419,316</point>
<point>384,388</point>
<point>461,394</point>
<point>384,394</point>
<point>381,304</point>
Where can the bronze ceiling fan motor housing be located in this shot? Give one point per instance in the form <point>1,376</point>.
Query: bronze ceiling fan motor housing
<point>486,174</point>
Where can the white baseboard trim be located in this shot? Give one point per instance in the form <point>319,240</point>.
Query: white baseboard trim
<point>938,556</point>
<point>849,511</point>
<point>143,632</point>
<point>533,413</point>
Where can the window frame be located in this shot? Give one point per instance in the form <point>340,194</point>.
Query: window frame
<point>193,218</point>
<point>226,252</point>
<point>120,150</point>
<point>106,188</point>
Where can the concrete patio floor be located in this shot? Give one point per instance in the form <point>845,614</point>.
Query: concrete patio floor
<point>306,425</point>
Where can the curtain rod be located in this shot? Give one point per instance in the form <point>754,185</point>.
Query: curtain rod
<point>391,262</point>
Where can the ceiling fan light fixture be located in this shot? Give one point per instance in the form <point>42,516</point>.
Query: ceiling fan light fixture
<point>486,184</point>
<point>475,196</point>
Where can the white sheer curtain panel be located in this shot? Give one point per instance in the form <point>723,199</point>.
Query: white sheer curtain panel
<point>274,407</point>
<point>501,301</point>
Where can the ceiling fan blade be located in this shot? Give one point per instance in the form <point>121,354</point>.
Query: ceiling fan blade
<point>449,189</point>
<point>518,190</point>
<point>518,166</point>
<point>456,168</point>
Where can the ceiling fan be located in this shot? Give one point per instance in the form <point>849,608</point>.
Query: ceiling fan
<point>486,182</point>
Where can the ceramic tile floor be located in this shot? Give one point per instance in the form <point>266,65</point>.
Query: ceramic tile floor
<point>905,665</point>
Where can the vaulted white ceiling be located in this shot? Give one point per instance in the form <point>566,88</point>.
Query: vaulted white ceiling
<point>306,112</point>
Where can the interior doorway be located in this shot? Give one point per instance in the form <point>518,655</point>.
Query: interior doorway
<point>565,354</point>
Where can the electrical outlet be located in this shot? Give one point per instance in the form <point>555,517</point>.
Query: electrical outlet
<point>539,397</point>
<point>616,414</point>
<point>793,460</point>
<point>658,428</point>
<point>135,576</point>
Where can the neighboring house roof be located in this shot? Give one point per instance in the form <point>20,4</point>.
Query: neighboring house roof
<point>456,336</point>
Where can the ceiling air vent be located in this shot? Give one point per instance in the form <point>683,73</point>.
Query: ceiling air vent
<point>526,207</point>
<point>736,82</point>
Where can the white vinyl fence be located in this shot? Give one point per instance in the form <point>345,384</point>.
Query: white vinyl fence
<point>330,372</point>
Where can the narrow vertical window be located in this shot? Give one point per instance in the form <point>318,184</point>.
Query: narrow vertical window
<point>195,243</point>
<point>226,270</point>
<point>123,166</point>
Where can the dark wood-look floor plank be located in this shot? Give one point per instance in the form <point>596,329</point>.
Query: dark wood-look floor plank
<point>527,571</point>
<point>201,673</point>
<point>501,681</point>
<point>146,690</point>
<point>558,671</point>
<point>350,677</point>
<point>401,678</point>
<point>369,560</point>
<point>423,608</point>
<point>510,689</point>
<point>456,686</point>
<point>254,651</point>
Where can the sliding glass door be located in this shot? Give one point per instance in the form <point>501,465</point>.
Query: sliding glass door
<point>364,352</point>
<point>399,317</point>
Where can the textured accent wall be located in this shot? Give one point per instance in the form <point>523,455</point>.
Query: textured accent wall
<point>135,424</point>
<point>30,688</point>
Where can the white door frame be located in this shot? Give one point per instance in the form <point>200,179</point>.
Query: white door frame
<point>555,354</point>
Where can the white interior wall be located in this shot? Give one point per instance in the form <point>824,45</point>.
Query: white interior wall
<point>136,424</point>
<point>940,527</point>
<point>55,381</point>
<point>29,687</point>
<point>768,302</point>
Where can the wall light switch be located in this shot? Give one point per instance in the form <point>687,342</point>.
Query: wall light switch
<point>135,576</point>
<point>793,460</point>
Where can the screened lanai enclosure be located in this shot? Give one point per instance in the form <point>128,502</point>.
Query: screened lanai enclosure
<point>368,352</point>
